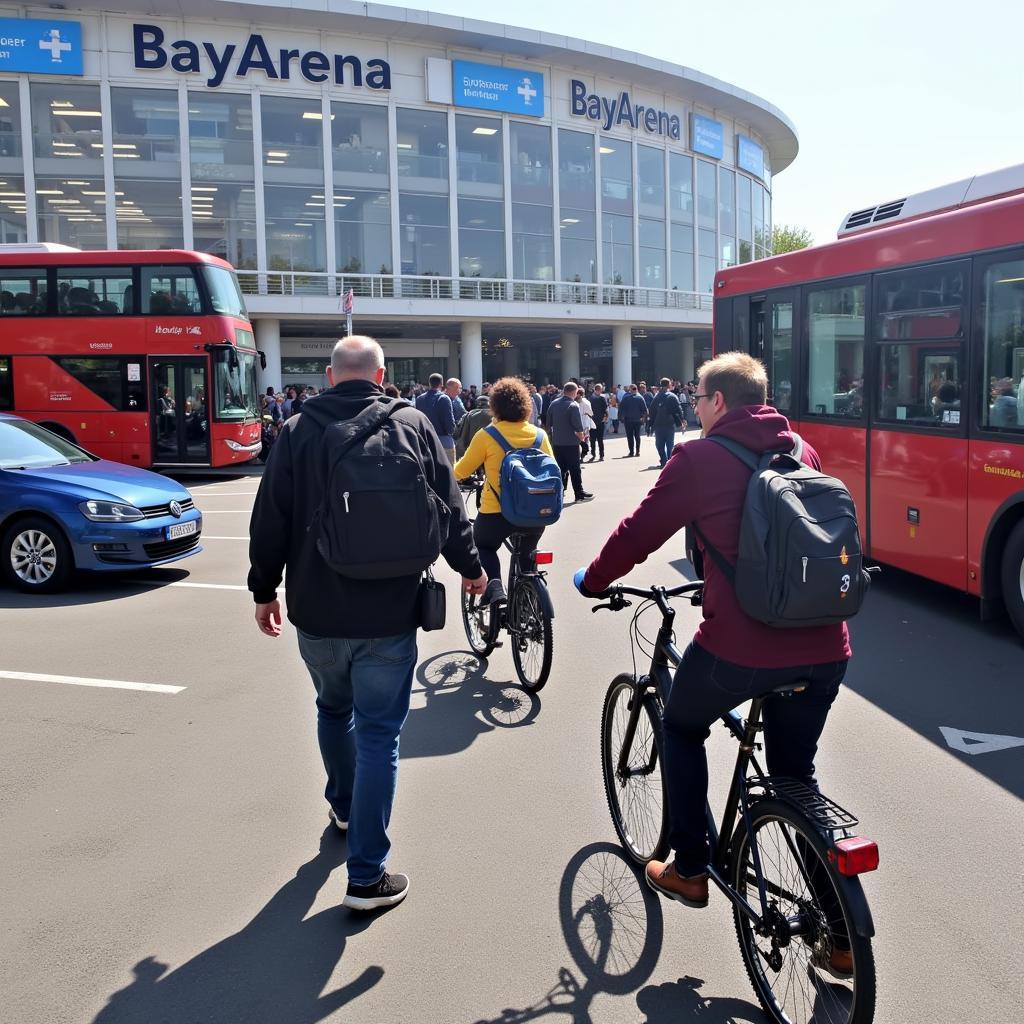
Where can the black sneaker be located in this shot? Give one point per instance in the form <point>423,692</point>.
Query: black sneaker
<point>386,892</point>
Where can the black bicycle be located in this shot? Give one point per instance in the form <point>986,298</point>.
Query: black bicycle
<point>784,854</point>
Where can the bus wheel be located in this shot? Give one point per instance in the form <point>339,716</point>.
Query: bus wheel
<point>1013,577</point>
<point>36,556</point>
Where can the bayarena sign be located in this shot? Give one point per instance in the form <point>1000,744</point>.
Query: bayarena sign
<point>613,112</point>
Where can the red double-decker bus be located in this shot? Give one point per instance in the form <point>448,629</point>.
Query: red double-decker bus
<point>898,352</point>
<point>146,358</point>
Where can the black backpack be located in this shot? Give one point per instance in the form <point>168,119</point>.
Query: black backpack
<point>379,517</point>
<point>800,560</point>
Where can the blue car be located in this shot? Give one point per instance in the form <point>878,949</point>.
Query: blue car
<point>62,509</point>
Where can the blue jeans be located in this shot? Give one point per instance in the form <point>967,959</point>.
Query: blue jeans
<point>703,689</point>
<point>363,689</point>
<point>664,441</point>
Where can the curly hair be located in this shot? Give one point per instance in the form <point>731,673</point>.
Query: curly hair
<point>510,400</point>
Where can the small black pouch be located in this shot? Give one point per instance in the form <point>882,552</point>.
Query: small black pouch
<point>431,603</point>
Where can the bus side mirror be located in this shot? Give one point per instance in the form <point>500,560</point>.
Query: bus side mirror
<point>263,360</point>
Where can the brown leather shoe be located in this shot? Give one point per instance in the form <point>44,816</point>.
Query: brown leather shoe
<point>662,877</point>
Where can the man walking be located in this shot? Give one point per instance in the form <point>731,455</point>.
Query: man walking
<point>356,636</point>
<point>667,415</point>
<point>648,398</point>
<point>565,425</point>
<point>436,405</point>
<point>453,389</point>
<point>632,413</point>
<point>599,405</point>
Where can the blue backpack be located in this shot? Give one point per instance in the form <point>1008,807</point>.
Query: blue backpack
<point>531,483</point>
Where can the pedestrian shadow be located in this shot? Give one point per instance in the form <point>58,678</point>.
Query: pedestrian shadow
<point>613,929</point>
<point>459,704</point>
<point>273,970</point>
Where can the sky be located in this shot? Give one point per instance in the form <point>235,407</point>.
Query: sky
<point>888,98</point>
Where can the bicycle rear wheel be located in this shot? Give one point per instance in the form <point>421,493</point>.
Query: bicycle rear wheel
<point>789,977</point>
<point>636,797</point>
<point>532,635</point>
<point>478,621</point>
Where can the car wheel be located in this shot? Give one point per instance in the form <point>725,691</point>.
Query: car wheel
<point>36,556</point>
<point>1013,577</point>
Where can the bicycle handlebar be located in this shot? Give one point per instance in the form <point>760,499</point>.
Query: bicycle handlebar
<point>616,595</point>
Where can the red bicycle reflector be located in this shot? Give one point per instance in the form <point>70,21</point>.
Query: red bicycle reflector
<point>545,557</point>
<point>854,856</point>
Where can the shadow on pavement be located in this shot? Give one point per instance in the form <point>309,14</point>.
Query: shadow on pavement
<point>92,588</point>
<point>460,705</point>
<point>613,928</point>
<point>270,972</point>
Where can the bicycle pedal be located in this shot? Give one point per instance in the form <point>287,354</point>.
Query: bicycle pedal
<point>499,643</point>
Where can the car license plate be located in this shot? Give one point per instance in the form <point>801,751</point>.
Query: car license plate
<point>182,529</point>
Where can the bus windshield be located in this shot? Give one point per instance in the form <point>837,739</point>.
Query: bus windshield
<point>235,389</point>
<point>225,294</point>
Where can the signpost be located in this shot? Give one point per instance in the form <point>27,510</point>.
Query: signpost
<point>347,304</point>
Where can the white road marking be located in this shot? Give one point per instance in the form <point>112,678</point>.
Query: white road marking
<point>978,742</point>
<point>111,684</point>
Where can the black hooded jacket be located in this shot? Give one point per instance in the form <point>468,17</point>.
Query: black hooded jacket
<point>319,601</point>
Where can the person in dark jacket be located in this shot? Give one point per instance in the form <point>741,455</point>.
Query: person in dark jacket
<point>599,405</point>
<point>357,637</point>
<point>474,420</point>
<point>732,657</point>
<point>648,397</point>
<point>436,405</point>
<point>565,428</point>
<point>667,414</point>
<point>632,413</point>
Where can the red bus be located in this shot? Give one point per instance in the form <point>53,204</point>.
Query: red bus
<point>898,352</point>
<point>146,358</point>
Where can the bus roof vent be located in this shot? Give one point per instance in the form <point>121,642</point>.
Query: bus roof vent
<point>946,197</point>
<point>35,247</point>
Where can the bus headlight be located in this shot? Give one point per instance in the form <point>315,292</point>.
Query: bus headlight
<point>110,512</point>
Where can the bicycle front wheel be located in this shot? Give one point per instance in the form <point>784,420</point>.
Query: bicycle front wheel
<point>636,793</point>
<point>532,634</point>
<point>478,620</point>
<point>793,978</point>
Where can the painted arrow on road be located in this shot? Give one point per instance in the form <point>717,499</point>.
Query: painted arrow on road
<point>978,742</point>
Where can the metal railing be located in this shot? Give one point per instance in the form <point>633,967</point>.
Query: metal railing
<point>474,289</point>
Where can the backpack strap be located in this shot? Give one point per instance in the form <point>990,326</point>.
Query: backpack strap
<point>539,440</point>
<point>495,434</point>
<point>369,421</point>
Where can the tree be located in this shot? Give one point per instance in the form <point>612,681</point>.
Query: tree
<point>789,238</point>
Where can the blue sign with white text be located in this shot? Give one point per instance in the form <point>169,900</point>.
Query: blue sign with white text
<point>749,156</point>
<point>706,137</point>
<point>49,47</point>
<point>511,90</point>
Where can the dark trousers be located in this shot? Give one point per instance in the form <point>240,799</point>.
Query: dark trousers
<point>664,439</point>
<point>633,436</point>
<point>491,530</point>
<point>704,689</point>
<point>597,440</point>
<point>648,425</point>
<point>568,458</point>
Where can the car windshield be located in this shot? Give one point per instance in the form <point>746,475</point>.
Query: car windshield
<point>235,387</point>
<point>25,445</point>
<point>225,294</point>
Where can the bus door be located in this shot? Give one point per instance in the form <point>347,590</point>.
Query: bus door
<point>919,452</point>
<point>181,426</point>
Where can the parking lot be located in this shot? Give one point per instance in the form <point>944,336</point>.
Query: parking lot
<point>167,855</point>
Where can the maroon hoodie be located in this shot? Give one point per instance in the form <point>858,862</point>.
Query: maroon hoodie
<point>704,482</point>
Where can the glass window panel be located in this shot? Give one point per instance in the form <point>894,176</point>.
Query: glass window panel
<point>66,128</point>
<point>295,228</point>
<point>78,218</point>
<point>22,292</point>
<point>707,260</point>
<point>292,138</point>
<point>478,150</point>
<point>578,234</point>
<point>220,137</point>
<point>531,162</point>
<point>6,384</point>
<point>362,232</point>
<point>926,302</point>
<point>145,129</point>
<point>919,383</point>
<point>726,201</point>
<point>682,270</point>
<point>680,169</point>
<point>13,222</point>
<point>94,291</point>
<point>424,234</point>
<point>617,248</point>
<point>835,354</point>
<point>10,127</point>
<point>757,198</point>
<point>576,181</point>
<point>727,253</point>
<point>650,173</point>
<point>1002,317</point>
<point>780,373</point>
<point>170,291</point>
<point>422,145</point>
<point>106,377</point>
<point>481,238</point>
<point>224,222</point>
<point>481,213</point>
<point>767,219</point>
<point>359,134</point>
<point>652,253</point>
<point>744,206</point>
<point>707,199</point>
<point>148,214</point>
<point>616,176</point>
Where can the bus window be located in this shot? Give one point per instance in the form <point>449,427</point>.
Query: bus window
<point>23,292</point>
<point>6,384</point>
<point>920,384</point>
<point>225,295</point>
<point>89,291</point>
<point>835,351</point>
<point>924,302</point>
<point>1003,324</point>
<point>170,291</point>
<point>780,372</point>
<point>116,379</point>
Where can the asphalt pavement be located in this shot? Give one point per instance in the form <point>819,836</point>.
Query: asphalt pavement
<point>166,853</point>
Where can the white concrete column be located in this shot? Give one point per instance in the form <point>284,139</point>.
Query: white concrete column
<point>268,341</point>
<point>453,360</point>
<point>472,353</point>
<point>570,355</point>
<point>622,355</point>
<point>688,367</point>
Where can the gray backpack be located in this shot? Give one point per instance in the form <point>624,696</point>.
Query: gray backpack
<point>800,561</point>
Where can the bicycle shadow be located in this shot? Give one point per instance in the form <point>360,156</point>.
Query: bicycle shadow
<point>613,928</point>
<point>454,704</point>
<point>273,970</point>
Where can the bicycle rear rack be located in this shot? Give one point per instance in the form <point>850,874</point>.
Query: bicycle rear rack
<point>824,812</point>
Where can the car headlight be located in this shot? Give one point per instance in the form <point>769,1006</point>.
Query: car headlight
<point>110,512</point>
